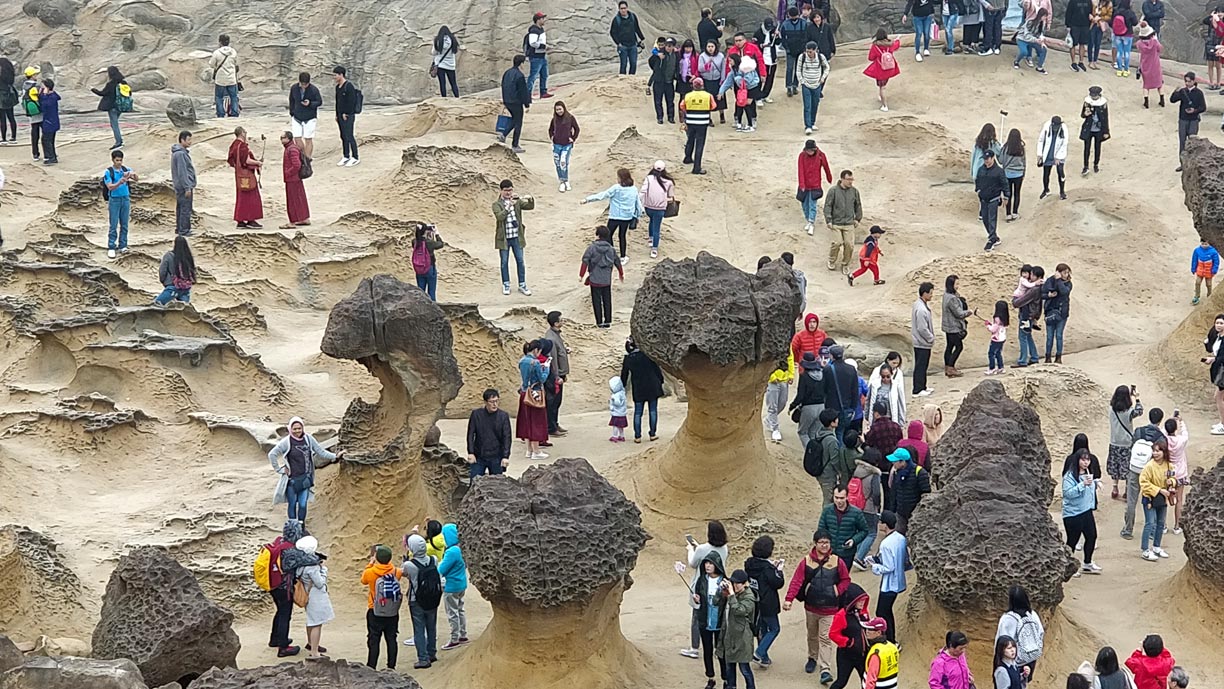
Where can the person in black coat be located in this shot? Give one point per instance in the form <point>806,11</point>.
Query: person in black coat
<point>1095,128</point>
<point>841,389</point>
<point>707,30</point>
<point>765,577</point>
<point>627,34</point>
<point>908,481</point>
<point>108,94</point>
<point>820,31</point>
<point>647,387</point>
<point>992,190</point>
<point>517,98</point>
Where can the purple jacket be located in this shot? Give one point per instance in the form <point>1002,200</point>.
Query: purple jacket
<point>949,673</point>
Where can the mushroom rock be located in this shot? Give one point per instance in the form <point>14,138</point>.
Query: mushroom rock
<point>554,624</point>
<point>154,613</point>
<point>1204,187</point>
<point>1203,524</point>
<point>404,340</point>
<point>722,332</point>
<point>316,674</point>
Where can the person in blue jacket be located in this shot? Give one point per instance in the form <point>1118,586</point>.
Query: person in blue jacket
<point>1079,506</point>
<point>624,206</point>
<point>453,571</point>
<point>1204,264</point>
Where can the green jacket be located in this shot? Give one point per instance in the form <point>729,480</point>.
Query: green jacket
<point>843,206</point>
<point>499,214</point>
<point>831,450</point>
<point>735,644</point>
<point>851,527</point>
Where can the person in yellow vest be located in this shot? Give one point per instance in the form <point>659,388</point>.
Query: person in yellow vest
<point>695,109</point>
<point>883,657</point>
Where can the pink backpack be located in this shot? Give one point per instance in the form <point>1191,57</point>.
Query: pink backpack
<point>422,262</point>
<point>888,61</point>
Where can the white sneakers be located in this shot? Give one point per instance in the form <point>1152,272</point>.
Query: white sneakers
<point>690,653</point>
<point>1149,556</point>
<point>506,290</point>
<point>807,131</point>
<point>883,108</point>
<point>925,393</point>
<point>524,291</point>
<point>538,455</point>
<point>1160,552</point>
<point>926,52</point>
<point>810,228</point>
<point>1217,429</point>
<point>343,161</point>
<point>567,185</point>
<point>561,187</point>
<point>110,253</point>
<point>776,436</point>
<point>1092,568</point>
<point>352,162</point>
<point>654,253</point>
<point>624,260</point>
<point>918,57</point>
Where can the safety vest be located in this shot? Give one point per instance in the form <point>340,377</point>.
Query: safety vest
<point>890,663</point>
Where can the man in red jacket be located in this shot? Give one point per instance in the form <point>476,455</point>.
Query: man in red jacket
<point>745,47</point>
<point>812,162</point>
<point>810,339</point>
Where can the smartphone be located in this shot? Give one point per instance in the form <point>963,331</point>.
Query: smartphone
<point>1133,391</point>
<point>373,549</point>
<point>1176,413</point>
<point>690,540</point>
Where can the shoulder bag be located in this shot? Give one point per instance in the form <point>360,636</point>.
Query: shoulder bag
<point>534,396</point>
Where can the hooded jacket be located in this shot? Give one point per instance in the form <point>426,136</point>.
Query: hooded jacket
<point>735,644</point>
<point>182,171</point>
<point>1151,673</point>
<point>618,404</point>
<point>291,533</point>
<point>896,395</point>
<point>701,589</point>
<point>846,630</point>
<point>224,62</point>
<point>1049,138</point>
<point>784,375</point>
<point>766,580</point>
<point>830,451</point>
<point>419,558</point>
<point>452,568</point>
<point>807,340</point>
<point>948,672</point>
<point>436,546</point>
<point>1100,108</point>
<point>370,576</point>
<point>599,259</point>
<point>913,440</point>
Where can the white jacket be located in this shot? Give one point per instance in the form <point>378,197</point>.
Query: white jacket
<point>1060,145</point>
<point>618,405</point>
<point>896,397</point>
<point>224,62</point>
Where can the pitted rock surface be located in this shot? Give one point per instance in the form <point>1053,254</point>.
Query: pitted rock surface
<point>552,538</point>
<point>989,526</point>
<point>182,113</point>
<point>1203,523</point>
<point>10,655</point>
<point>313,674</point>
<point>44,672</point>
<point>37,590</point>
<point>1204,187</point>
<point>705,307</point>
<point>155,613</point>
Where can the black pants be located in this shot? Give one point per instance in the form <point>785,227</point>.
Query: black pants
<point>972,35</point>
<point>922,361</point>
<point>35,133</point>
<point>7,121</point>
<point>989,211</point>
<point>1013,201</point>
<point>1082,525</point>
<point>664,92</point>
<point>618,228</point>
<point>553,407</point>
<point>1093,140</point>
<point>956,345</point>
<point>445,75</point>
<point>694,145</point>
<point>601,302</point>
<point>516,121</point>
<point>884,609</point>
<point>377,629</point>
<point>848,661</point>
<point>709,639</point>
<point>767,87</point>
<point>749,110</point>
<point>1045,178</point>
<point>347,138</point>
<point>280,622</point>
<point>48,143</point>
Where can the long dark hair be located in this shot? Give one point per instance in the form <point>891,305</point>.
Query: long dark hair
<point>184,263</point>
<point>688,43</point>
<point>1080,444</point>
<point>1001,313</point>
<point>113,74</point>
<point>420,233</point>
<point>1001,645</point>
<point>1018,600</point>
<point>661,174</point>
<point>1121,400</point>
<point>445,32</point>
<point>716,534</point>
<point>955,639</point>
<point>950,283</point>
<point>986,137</point>
<point>1015,143</point>
<point>8,73</point>
<point>1071,465</point>
<point>433,527</point>
<point>1106,661</point>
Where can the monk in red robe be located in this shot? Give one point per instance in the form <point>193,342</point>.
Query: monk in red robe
<point>295,188</point>
<point>248,206</point>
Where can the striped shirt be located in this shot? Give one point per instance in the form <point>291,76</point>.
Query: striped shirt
<point>697,106</point>
<point>812,72</point>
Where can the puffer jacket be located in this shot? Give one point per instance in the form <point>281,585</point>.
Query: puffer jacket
<point>618,404</point>
<point>807,340</point>
<point>950,673</point>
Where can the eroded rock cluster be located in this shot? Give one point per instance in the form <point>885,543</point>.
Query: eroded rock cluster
<point>988,526</point>
<point>316,674</point>
<point>1204,187</point>
<point>1203,524</point>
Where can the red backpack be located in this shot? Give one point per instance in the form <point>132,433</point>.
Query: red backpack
<point>422,262</point>
<point>855,494</point>
<point>1119,25</point>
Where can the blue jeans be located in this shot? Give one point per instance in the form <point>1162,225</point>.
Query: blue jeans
<point>424,631</point>
<point>561,160</point>
<point>539,68</point>
<point>792,79</point>
<point>811,204</point>
<point>1094,42</point>
<point>811,104</point>
<point>492,467</point>
<point>638,408</point>
<point>769,628</point>
<point>844,418</point>
<point>656,225</point>
<point>922,33</point>
<point>1153,524</point>
<point>120,209</point>
<point>513,245</point>
<point>429,283</point>
<point>628,58</point>
<point>950,22</point>
<point>220,93</point>
<point>873,525</point>
<point>994,356</point>
<point>1055,330</point>
<point>169,293</point>
<point>1122,52</point>
<point>297,494</point>
<point>1027,49</point>
<point>1028,348</point>
<point>113,114</point>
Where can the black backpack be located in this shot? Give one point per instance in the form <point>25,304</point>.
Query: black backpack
<point>306,171</point>
<point>359,101</point>
<point>429,585</point>
<point>813,458</point>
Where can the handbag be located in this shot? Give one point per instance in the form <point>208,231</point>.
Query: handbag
<point>504,123</point>
<point>433,71</point>
<point>672,210</point>
<point>301,594</point>
<point>246,180</point>
<point>796,413</point>
<point>633,224</point>
<point>534,396</point>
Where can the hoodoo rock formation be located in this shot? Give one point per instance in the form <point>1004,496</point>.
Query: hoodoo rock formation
<point>316,674</point>
<point>722,331</point>
<point>1203,522</point>
<point>155,614</point>
<point>37,588</point>
<point>404,340</point>
<point>1204,188</point>
<point>558,625</point>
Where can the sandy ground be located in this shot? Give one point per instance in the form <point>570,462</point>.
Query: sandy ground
<point>206,494</point>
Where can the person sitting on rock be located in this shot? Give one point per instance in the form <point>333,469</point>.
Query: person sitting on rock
<point>818,580</point>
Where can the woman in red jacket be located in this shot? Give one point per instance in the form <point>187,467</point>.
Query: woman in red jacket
<point>809,339</point>
<point>812,162</point>
<point>882,63</point>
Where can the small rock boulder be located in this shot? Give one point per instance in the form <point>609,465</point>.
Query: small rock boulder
<point>53,13</point>
<point>182,113</point>
<point>155,613</point>
<point>150,80</point>
<point>10,655</point>
<point>312,674</point>
<point>73,673</point>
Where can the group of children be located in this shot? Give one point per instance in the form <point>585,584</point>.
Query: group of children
<point>40,104</point>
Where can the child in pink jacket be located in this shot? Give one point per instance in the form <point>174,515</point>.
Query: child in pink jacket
<point>950,669</point>
<point>1179,437</point>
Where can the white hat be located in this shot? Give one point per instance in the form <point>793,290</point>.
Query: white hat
<point>660,165</point>
<point>307,544</point>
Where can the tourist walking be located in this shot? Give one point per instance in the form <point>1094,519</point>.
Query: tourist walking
<point>696,554</point>
<point>735,639</point>
<point>627,36</point>
<point>1215,336</point>
<point>711,66</point>
<point>822,577</point>
<point>535,48</point>
<point>1149,63</point>
<point>313,574</point>
<point>811,73</point>
<point>454,576</point>
<point>293,458</point>
<point>224,66</point>
<point>1124,407</point>
<point>1156,485</point>
<point>922,336</point>
<point>624,207</point>
<point>1079,505</point>
<point>869,256</point>
<point>425,242</point>
<point>177,273</point>
<point>561,367</point>
<point>9,98</point>
<point>889,565</point>
<point>1052,155</point>
<point>987,140</point>
<point>883,663</point>
<point>820,32</point>
<point>709,597</point>
<point>248,205</point>
<point>882,64</point>
<point>488,438</point>
<point>1095,129</point>
<point>664,68</point>
<point>1192,105</point>
<point>296,205</point>
<point>887,384</point>
<point>844,522</point>
<point>843,211</point>
<point>531,422</point>
<point>643,377</point>
<point>444,56</point>
<point>907,483</point>
<point>508,233</point>
<point>793,33</point>
<point>1057,309</point>
<point>304,101</point>
<point>1021,623</point>
<point>776,394</point>
<point>813,164</point>
<point>348,105</point>
<point>767,578</point>
<point>384,596</point>
<point>745,83</point>
<point>809,398</point>
<point>563,130</point>
<point>516,97</point>
<point>991,185</point>
<point>30,106</point>
<point>111,97</point>
<point>954,325</point>
<point>599,259</point>
<point>766,38</point>
<point>809,340</point>
<point>695,114</point>
<point>848,632</point>
<point>183,179</point>
<point>118,178</point>
<point>658,193</point>
<point>950,668</point>
<point>921,13</point>
<point>48,103</point>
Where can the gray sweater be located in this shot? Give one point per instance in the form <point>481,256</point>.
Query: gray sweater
<point>182,171</point>
<point>1120,427</point>
<point>954,315</point>
<point>600,258</point>
<point>922,329</point>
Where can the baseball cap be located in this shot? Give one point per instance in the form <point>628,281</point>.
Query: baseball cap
<point>877,624</point>
<point>988,153</point>
<point>899,455</point>
<point>660,165</point>
<point>739,576</point>
<point>538,16</point>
